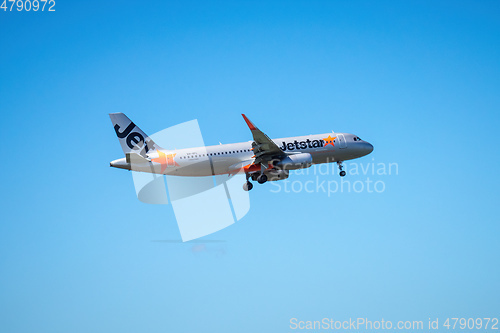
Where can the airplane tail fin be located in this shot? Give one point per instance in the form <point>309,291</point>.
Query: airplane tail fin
<point>132,138</point>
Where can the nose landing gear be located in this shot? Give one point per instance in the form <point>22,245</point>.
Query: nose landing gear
<point>342,173</point>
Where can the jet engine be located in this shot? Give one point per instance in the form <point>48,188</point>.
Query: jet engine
<point>276,174</point>
<point>295,161</point>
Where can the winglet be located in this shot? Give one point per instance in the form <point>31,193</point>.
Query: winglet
<point>249,123</point>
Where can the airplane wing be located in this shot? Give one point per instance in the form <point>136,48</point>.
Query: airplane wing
<point>264,148</point>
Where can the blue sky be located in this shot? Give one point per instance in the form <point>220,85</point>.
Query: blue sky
<point>419,80</point>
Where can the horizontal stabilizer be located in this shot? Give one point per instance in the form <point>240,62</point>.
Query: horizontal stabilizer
<point>134,158</point>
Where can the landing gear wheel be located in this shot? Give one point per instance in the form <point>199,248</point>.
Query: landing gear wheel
<point>247,186</point>
<point>342,172</point>
<point>262,179</point>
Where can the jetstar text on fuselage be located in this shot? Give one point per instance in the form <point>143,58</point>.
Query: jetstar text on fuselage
<point>302,144</point>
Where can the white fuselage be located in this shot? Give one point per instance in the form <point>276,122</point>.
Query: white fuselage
<point>225,158</point>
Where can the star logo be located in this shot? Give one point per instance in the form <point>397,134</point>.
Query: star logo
<point>329,141</point>
<point>165,160</point>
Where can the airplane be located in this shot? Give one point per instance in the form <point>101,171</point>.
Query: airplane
<point>261,159</point>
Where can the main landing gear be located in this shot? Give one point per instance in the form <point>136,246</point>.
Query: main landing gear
<point>261,179</point>
<point>247,186</point>
<point>342,172</point>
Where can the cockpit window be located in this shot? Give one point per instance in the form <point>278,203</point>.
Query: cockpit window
<point>356,138</point>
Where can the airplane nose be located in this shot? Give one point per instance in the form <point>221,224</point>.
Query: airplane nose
<point>367,148</point>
